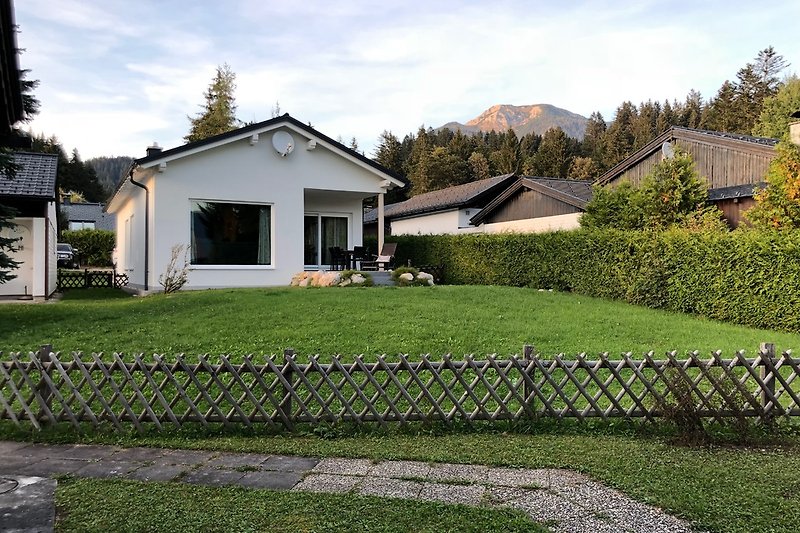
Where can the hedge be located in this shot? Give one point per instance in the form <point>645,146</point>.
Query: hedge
<point>94,245</point>
<point>745,277</point>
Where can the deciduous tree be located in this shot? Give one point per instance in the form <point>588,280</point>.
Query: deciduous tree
<point>778,204</point>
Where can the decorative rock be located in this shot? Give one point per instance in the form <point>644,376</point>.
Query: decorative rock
<point>304,282</point>
<point>345,282</point>
<point>425,276</point>
<point>358,279</point>
<point>408,276</point>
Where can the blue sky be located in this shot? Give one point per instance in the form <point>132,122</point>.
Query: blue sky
<point>118,74</point>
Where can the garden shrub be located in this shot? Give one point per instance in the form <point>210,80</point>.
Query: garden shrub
<point>94,245</point>
<point>747,277</point>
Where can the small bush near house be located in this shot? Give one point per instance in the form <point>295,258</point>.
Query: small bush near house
<point>95,245</point>
<point>745,277</point>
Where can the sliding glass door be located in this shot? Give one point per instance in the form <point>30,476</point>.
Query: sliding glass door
<point>322,232</point>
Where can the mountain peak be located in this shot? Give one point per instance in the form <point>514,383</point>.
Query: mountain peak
<point>524,119</point>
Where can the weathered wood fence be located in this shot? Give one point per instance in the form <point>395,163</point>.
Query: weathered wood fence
<point>45,387</point>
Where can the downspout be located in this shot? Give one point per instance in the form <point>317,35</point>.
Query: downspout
<point>146,226</point>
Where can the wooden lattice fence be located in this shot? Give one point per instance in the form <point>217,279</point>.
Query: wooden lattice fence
<point>90,278</point>
<point>45,387</point>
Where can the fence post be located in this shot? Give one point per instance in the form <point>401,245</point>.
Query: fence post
<point>86,282</point>
<point>528,352</point>
<point>767,349</point>
<point>42,389</point>
<point>286,403</point>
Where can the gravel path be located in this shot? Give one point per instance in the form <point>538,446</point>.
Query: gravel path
<point>563,500</point>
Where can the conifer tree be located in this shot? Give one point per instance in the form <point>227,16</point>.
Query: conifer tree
<point>219,111</point>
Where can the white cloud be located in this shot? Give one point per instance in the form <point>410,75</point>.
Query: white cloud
<point>116,75</point>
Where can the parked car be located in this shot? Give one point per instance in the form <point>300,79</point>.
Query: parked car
<point>67,255</point>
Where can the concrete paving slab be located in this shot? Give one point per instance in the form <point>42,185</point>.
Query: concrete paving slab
<point>390,488</point>
<point>516,477</point>
<point>456,472</point>
<point>445,493</point>
<point>238,460</point>
<point>7,447</point>
<point>284,463</point>
<point>348,467</point>
<point>13,465</point>
<point>158,472</point>
<point>185,457</point>
<point>138,454</point>
<point>328,483</point>
<point>90,451</point>
<point>108,469</point>
<point>45,451</point>
<point>270,480</point>
<point>53,467</point>
<point>27,504</point>
<point>213,477</point>
<point>398,469</point>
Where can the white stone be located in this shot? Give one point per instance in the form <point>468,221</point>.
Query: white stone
<point>358,279</point>
<point>408,276</point>
<point>425,276</point>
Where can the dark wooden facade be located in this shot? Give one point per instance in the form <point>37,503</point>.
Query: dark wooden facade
<point>722,161</point>
<point>530,204</point>
<point>733,210</point>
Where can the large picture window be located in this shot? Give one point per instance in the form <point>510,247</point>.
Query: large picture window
<point>231,234</point>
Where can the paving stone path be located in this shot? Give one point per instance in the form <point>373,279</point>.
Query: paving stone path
<point>563,500</point>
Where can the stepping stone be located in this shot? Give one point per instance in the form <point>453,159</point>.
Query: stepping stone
<point>108,469</point>
<point>27,504</point>
<point>237,460</point>
<point>441,492</point>
<point>157,472</point>
<point>328,483</point>
<point>283,463</point>
<point>213,477</point>
<point>138,454</point>
<point>185,457</point>
<point>454,472</point>
<point>347,467</point>
<point>270,480</point>
<point>390,488</point>
<point>398,469</point>
<point>52,467</point>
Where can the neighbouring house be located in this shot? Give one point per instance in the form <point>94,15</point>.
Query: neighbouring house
<point>254,206</point>
<point>89,215</point>
<point>32,193</point>
<point>535,205</point>
<point>494,205</point>
<point>733,165</point>
<point>445,211</point>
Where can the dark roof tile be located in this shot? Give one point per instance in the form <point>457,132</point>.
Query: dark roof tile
<point>90,212</point>
<point>35,178</point>
<point>450,198</point>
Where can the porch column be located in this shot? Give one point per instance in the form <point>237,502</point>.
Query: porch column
<point>380,220</point>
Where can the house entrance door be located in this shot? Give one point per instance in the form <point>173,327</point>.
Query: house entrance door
<point>323,232</point>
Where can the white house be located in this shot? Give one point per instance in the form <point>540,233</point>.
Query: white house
<point>31,191</point>
<point>494,205</point>
<point>254,206</point>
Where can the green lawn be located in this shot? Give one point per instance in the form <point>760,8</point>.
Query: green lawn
<point>438,320</point>
<point>96,505</point>
<point>731,489</point>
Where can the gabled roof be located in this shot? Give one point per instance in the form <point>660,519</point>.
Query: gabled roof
<point>244,131</point>
<point>576,193</point>
<point>473,194</point>
<point>746,142</point>
<point>89,212</point>
<point>35,178</point>
<point>247,131</point>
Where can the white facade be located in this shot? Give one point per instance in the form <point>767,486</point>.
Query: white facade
<point>317,179</point>
<point>456,221</point>
<point>447,222</point>
<point>36,253</point>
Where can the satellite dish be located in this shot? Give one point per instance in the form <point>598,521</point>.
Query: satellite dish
<point>283,143</point>
<point>667,150</point>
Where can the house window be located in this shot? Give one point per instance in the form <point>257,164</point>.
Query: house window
<point>75,225</point>
<point>231,234</point>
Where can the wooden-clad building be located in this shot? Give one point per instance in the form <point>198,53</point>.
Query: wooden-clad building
<point>733,165</point>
